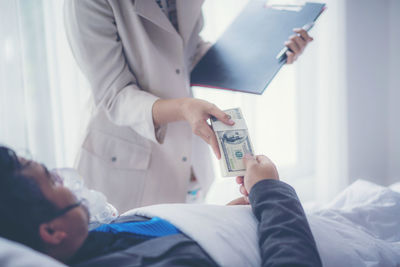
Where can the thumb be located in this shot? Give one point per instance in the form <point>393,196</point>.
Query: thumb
<point>249,160</point>
<point>221,116</point>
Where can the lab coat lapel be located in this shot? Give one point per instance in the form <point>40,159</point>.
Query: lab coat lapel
<point>151,11</point>
<point>188,13</point>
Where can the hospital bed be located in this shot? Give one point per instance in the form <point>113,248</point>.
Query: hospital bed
<point>360,227</point>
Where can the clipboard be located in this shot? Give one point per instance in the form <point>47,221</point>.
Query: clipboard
<point>244,58</point>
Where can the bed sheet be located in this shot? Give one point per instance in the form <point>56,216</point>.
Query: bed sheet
<point>360,227</point>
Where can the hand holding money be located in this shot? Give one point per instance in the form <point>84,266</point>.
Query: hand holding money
<point>257,168</point>
<point>196,112</point>
<point>234,142</point>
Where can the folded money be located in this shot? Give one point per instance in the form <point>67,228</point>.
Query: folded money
<point>234,142</point>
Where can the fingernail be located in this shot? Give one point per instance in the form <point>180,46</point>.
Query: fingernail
<point>231,122</point>
<point>248,156</point>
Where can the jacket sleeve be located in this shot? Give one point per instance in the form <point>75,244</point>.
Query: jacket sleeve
<point>92,34</point>
<point>285,237</point>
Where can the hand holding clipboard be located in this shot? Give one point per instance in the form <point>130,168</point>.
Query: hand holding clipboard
<point>244,58</point>
<point>293,49</point>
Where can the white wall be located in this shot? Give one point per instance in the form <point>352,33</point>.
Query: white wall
<point>331,164</point>
<point>394,93</point>
<point>372,36</point>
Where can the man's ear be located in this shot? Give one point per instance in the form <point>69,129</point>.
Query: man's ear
<point>50,235</point>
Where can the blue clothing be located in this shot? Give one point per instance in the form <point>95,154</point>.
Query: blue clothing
<point>155,227</point>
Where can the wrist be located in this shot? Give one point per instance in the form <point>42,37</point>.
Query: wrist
<point>253,183</point>
<point>168,110</point>
<point>181,108</point>
<point>268,187</point>
<point>250,185</point>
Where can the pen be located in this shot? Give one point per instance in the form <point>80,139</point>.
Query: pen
<point>282,53</point>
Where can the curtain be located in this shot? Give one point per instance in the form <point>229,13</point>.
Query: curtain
<point>299,122</point>
<point>44,101</point>
<point>331,168</point>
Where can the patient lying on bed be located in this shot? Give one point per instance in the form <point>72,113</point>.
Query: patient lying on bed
<point>38,211</point>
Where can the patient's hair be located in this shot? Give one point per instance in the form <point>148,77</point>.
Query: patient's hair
<point>23,207</point>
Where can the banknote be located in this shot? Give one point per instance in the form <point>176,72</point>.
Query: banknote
<point>234,142</point>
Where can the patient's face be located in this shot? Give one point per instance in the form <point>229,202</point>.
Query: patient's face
<point>74,222</point>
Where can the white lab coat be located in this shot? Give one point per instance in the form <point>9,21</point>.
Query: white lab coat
<point>132,55</point>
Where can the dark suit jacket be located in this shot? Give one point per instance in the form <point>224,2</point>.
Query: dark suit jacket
<point>285,238</point>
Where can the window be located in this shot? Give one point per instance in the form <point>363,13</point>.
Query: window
<point>279,121</point>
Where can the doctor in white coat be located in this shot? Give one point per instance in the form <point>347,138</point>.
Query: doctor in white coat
<point>148,137</point>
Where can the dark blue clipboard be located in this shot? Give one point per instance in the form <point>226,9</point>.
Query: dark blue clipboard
<point>244,57</point>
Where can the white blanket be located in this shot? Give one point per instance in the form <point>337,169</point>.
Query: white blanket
<point>227,234</point>
<point>361,227</point>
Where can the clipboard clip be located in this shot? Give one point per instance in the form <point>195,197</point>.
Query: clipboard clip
<point>288,5</point>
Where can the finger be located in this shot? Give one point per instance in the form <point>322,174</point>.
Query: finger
<point>214,145</point>
<point>290,57</point>
<point>212,141</point>
<point>263,159</point>
<point>220,115</point>
<point>244,200</point>
<point>239,179</point>
<point>304,34</point>
<point>208,135</point>
<point>243,190</point>
<point>276,172</point>
<point>249,160</point>
<point>205,132</point>
<point>300,43</point>
<point>292,46</point>
<point>239,201</point>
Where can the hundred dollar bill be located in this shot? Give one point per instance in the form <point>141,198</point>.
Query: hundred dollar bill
<point>234,142</point>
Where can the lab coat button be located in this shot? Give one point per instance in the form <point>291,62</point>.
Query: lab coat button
<point>178,71</point>
<point>114,159</point>
<point>184,159</point>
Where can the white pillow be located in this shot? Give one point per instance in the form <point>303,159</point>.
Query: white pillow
<point>13,254</point>
<point>359,227</point>
<point>395,187</point>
